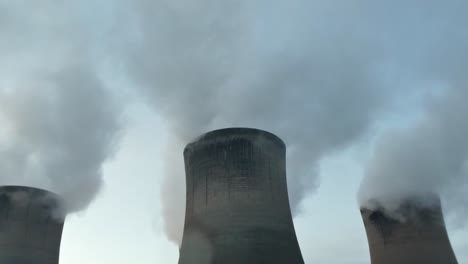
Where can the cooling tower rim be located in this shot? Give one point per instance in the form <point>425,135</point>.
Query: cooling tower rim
<point>409,208</point>
<point>34,191</point>
<point>426,200</point>
<point>38,195</point>
<point>230,131</point>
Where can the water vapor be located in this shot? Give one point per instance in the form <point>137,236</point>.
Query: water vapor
<point>293,69</point>
<point>58,122</point>
<point>316,73</point>
<point>430,155</point>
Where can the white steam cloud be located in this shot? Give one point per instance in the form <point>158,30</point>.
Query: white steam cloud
<point>427,49</point>
<point>430,157</point>
<point>211,64</point>
<point>316,73</point>
<point>58,123</point>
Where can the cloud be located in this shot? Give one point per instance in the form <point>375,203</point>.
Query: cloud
<point>316,73</point>
<point>304,76</point>
<point>431,156</point>
<point>425,51</point>
<point>61,124</point>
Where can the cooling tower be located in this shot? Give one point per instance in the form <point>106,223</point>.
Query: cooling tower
<point>237,208</point>
<point>418,237</point>
<point>30,226</point>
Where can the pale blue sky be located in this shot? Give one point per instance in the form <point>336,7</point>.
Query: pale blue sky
<point>123,224</point>
<point>329,77</point>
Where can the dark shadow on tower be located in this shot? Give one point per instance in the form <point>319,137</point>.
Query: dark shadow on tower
<point>237,209</point>
<point>31,223</point>
<point>418,236</point>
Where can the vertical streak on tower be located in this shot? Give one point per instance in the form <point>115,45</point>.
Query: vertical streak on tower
<point>30,226</point>
<point>419,237</point>
<point>246,216</point>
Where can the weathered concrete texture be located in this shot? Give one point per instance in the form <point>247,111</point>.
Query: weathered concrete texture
<point>30,226</point>
<point>237,202</point>
<point>420,237</point>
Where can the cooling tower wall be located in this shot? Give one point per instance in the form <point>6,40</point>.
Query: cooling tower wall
<point>420,237</point>
<point>30,226</point>
<point>237,207</point>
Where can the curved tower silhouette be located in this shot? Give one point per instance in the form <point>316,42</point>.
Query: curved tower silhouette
<point>237,208</point>
<point>30,226</point>
<point>418,237</point>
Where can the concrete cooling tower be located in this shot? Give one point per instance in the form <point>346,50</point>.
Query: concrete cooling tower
<point>237,208</point>
<point>30,226</point>
<point>418,236</point>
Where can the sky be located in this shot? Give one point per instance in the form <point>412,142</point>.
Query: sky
<point>98,100</point>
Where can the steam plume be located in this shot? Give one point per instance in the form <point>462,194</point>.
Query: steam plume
<point>316,73</point>
<point>58,121</point>
<point>211,64</point>
<point>430,157</point>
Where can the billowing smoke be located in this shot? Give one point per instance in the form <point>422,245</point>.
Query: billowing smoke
<point>58,122</point>
<point>293,68</point>
<point>60,131</point>
<point>429,157</point>
<point>316,73</point>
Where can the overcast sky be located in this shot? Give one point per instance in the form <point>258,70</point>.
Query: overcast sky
<point>98,99</point>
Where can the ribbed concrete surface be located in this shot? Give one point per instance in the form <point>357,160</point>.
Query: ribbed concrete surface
<point>237,202</point>
<point>420,239</point>
<point>30,226</point>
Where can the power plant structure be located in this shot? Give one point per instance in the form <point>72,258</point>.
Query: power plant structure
<point>31,224</point>
<point>417,236</point>
<point>237,207</point>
